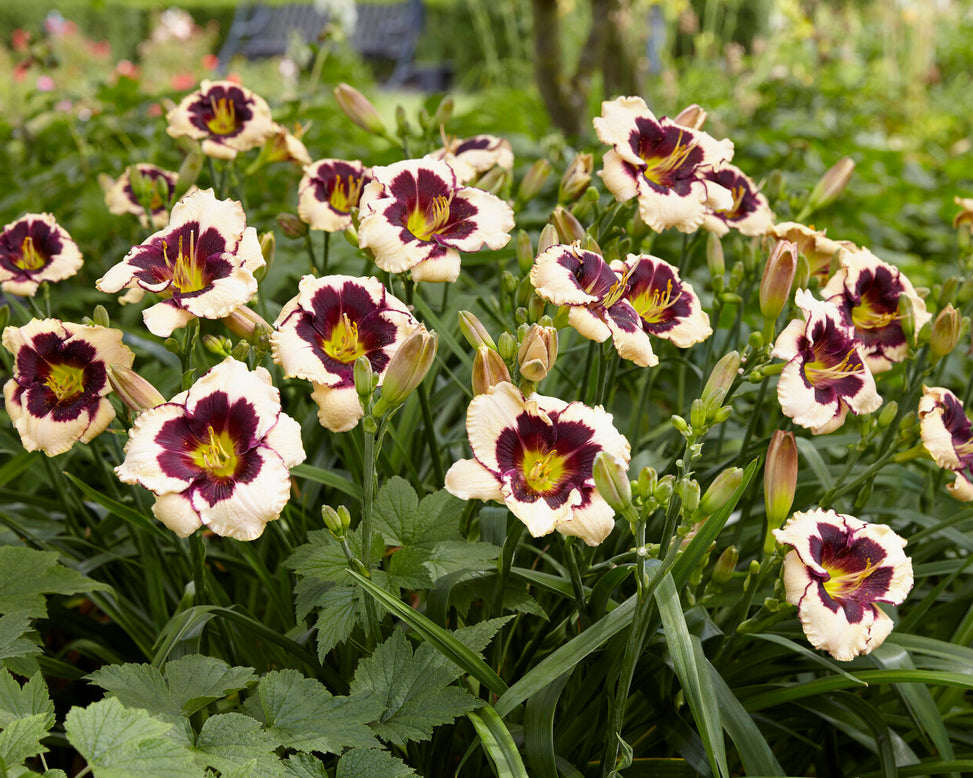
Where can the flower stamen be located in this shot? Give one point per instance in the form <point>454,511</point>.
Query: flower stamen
<point>345,194</point>
<point>217,455</point>
<point>659,169</point>
<point>66,381</point>
<point>840,586</point>
<point>344,345</point>
<point>224,116</point>
<point>424,223</point>
<point>30,258</point>
<point>652,306</point>
<point>817,372</point>
<point>543,472</point>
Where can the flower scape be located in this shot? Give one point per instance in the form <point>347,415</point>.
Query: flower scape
<point>351,446</point>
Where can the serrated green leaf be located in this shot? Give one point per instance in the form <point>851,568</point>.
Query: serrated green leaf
<point>231,742</point>
<point>323,559</point>
<point>26,575</point>
<point>367,763</point>
<point>304,766</point>
<point>340,610</point>
<point>12,643</point>
<point>413,688</point>
<point>21,738</point>
<point>404,521</point>
<point>119,742</point>
<point>17,702</point>
<point>451,556</point>
<point>187,685</point>
<point>302,714</point>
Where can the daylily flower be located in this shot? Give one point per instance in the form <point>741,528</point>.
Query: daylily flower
<point>216,455</point>
<point>825,375</point>
<point>750,212</point>
<point>57,394</point>
<point>121,198</point>
<point>328,191</point>
<point>662,164</point>
<point>947,435</point>
<point>965,215</point>
<point>817,248</point>
<point>667,306</point>
<point>330,324</point>
<point>203,262</point>
<point>286,146</point>
<point>472,157</point>
<point>867,291</point>
<point>226,117</point>
<point>536,455</point>
<point>838,569</point>
<point>416,217</point>
<point>596,296</point>
<point>35,249</point>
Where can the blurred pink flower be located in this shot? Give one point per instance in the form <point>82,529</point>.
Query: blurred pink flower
<point>210,61</point>
<point>184,80</point>
<point>45,83</point>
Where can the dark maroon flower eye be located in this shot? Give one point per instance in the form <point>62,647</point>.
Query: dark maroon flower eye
<point>35,249</point>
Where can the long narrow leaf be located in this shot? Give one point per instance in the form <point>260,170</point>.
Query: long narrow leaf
<point>539,729</point>
<point>132,516</point>
<point>328,478</point>
<point>695,679</point>
<point>498,743</point>
<point>444,641</point>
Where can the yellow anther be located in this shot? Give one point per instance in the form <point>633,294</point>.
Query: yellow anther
<point>30,257</point>
<point>224,116</point>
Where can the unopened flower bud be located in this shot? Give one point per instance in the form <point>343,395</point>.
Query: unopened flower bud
<point>507,346</point>
<point>537,353</point>
<point>217,344</point>
<point>588,243</point>
<point>721,490</point>
<point>291,225</point>
<point>332,521</point>
<point>720,380</point>
<point>803,275</point>
<point>780,477</point>
<point>688,491</point>
<point>548,238</point>
<point>775,286</point>
<point>240,351</point>
<point>357,108</point>
<point>611,481</point>
<point>351,235</point>
<point>268,248</point>
<point>647,481</point>
<point>493,181</point>
<point>889,411</point>
<point>525,251</point>
<point>947,292</point>
<point>406,369</point>
<point>246,323</point>
<point>489,369</point>
<point>569,229</point>
<point>362,374</point>
<point>691,117</point>
<point>679,423</point>
<point>832,184</point>
<point>697,416</point>
<point>189,172</point>
<point>725,565</point>
<point>945,333</point>
<point>576,178</point>
<point>535,307</point>
<point>663,489</point>
<point>474,331</point>
<point>534,181</point>
<point>444,112</point>
<point>715,261</point>
<point>722,414</point>
<point>100,316</point>
<point>133,390</point>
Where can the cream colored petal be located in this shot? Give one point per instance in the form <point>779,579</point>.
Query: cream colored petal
<point>141,464</point>
<point>619,177</point>
<point>51,436</point>
<point>493,221</point>
<point>285,438</point>
<point>618,121</point>
<point>25,288</point>
<point>246,512</point>
<point>830,631</point>
<point>103,416</point>
<point>384,240</point>
<point>602,424</point>
<point>592,523</point>
<point>162,319</point>
<point>437,270</point>
<point>469,480</point>
<point>539,518</point>
<point>218,149</point>
<point>223,296</point>
<point>490,414</point>
<point>804,525</point>
<point>556,283</point>
<point>835,422</point>
<point>634,346</point>
<point>238,382</point>
<point>176,512</point>
<point>339,410</point>
<point>661,210</point>
<point>937,440</point>
<point>588,324</point>
<point>961,488</point>
<point>785,347</point>
<point>798,400</point>
<point>248,253</point>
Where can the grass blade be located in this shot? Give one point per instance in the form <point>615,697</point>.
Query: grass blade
<point>498,743</point>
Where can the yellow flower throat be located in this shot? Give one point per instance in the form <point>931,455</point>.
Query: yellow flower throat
<point>224,116</point>
<point>424,223</point>
<point>187,272</point>
<point>30,258</point>
<point>217,455</point>
<point>543,471</point>
<point>344,345</point>
<point>66,381</point>
<point>841,585</point>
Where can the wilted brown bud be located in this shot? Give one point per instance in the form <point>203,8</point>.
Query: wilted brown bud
<point>133,390</point>
<point>548,238</point>
<point>780,477</point>
<point>291,225</point>
<point>691,117</point>
<point>406,369</point>
<point>721,490</point>
<point>576,178</point>
<point>569,229</point>
<point>489,369</point>
<point>537,353</point>
<point>474,331</point>
<point>246,323</point>
<point>611,481</point>
<point>534,181</point>
<point>357,108</point>
<point>946,329</point>
<point>775,286</point>
<point>832,184</point>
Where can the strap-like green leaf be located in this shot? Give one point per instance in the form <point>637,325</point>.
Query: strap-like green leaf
<point>498,743</point>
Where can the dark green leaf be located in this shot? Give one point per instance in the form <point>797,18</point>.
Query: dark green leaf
<point>232,741</point>
<point>18,701</point>
<point>362,763</point>
<point>27,575</point>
